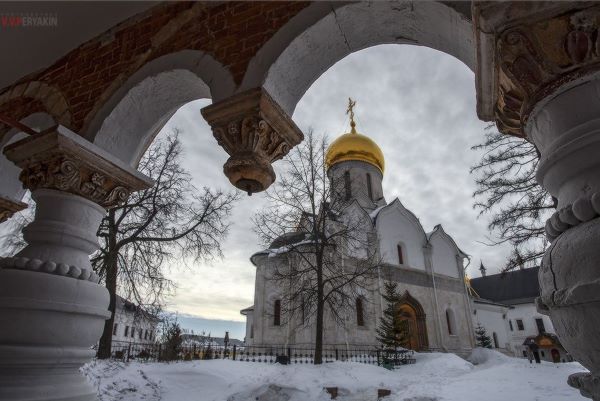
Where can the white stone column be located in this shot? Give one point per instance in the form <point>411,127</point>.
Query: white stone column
<point>537,77</point>
<point>566,130</point>
<point>52,309</point>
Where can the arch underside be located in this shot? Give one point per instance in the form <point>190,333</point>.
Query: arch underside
<point>127,123</point>
<point>352,27</point>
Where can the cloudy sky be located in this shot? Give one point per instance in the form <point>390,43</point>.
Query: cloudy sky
<point>418,104</point>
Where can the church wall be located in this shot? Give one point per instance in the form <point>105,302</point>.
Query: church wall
<point>461,341</point>
<point>450,294</point>
<point>249,338</point>
<point>393,228</point>
<point>444,257</point>
<point>492,318</point>
<point>265,295</point>
<point>425,297</point>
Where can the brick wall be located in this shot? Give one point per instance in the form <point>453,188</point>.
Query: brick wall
<point>82,80</point>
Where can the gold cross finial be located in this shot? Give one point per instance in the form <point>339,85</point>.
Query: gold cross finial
<point>350,111</point>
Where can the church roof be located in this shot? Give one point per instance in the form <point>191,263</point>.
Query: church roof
<point>247,310</point>
<point>357,147</point>
<point>354,146</point>
<point>511,288</point>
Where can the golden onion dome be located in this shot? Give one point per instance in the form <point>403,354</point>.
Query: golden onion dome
<point>354,146</point>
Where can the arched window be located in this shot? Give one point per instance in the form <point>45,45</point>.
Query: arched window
<point>369,188</point>
<point>450,322</point>
<point>360,313</point>
<point>347,185</point>
<point>400,257</point>
<point>277,313</point>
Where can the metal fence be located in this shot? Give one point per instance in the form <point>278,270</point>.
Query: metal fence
<point>262,354</point>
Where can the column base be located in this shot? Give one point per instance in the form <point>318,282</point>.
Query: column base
<point>49,324</point>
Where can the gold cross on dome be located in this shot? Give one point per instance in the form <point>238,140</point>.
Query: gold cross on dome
<point>350,111</point>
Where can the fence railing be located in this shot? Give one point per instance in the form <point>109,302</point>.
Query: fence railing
<point>262,354</point>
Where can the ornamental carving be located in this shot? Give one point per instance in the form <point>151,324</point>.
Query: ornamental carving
<point>535,59</point>
<point>255,132</point>
<point>63,161</point>
<point>68,175</point>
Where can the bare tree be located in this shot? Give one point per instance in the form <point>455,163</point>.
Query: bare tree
<point>507,189</point>
<point>170,220</point>
<point>330,246</point>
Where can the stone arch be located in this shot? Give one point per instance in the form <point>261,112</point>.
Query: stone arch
<point>347,28</point>
<point>127,122</point>
<point>412,310</point>
<point>37,95</point>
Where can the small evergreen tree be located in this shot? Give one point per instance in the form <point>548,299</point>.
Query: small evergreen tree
<point>483,340</point>
<point>208,351</point>
<point>393,330</point>
<point>172,342</point>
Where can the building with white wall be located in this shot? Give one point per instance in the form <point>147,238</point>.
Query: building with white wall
<point>505,305</point>
<point>133,324</point>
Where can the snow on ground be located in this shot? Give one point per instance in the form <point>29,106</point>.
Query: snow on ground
<point>434,377</point>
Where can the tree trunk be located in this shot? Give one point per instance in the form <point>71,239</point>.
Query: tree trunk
<point>111,266</point>
<point>320,315</point>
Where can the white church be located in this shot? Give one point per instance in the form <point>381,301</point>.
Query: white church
<point>427,265</point>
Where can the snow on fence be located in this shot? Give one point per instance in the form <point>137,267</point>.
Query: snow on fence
<point>262,354</point>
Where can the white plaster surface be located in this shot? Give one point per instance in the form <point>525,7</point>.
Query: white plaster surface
<point>397,225</point>
<point>495,320</point>
<point>133,123</point>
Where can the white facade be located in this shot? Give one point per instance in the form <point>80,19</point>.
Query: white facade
<point>523,319</point>
<point>493,317</point>
<point>132,324</point>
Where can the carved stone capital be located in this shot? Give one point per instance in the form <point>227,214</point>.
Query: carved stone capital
<point>526,51</point>
<point>64,161</point>
<point>255,132</point>
<point>8,207</point>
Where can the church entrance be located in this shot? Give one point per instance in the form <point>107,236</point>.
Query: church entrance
<point>409,317</point>
<point>411,312</point>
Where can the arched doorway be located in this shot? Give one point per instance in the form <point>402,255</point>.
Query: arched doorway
<point>555,355</point>
<point>411,312</point>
